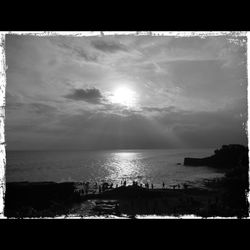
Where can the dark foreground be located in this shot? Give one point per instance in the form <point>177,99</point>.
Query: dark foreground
<point>226,197</point>
<point>50,199</point>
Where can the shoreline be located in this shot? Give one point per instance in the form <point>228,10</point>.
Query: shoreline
<point>50,199</point>
<point>224,197</point>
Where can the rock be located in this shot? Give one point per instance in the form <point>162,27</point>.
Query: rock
<point>228,156</point>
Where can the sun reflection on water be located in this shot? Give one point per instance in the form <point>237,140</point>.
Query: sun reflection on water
<point>124,165</point>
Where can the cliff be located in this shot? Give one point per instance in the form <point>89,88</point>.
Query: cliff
<point>228,156</point>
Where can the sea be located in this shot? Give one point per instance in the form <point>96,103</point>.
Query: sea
<point>113,166</point>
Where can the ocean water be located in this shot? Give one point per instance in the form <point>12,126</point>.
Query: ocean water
<point>153,166</point>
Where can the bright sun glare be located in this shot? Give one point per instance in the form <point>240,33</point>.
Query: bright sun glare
<point>124,96</point>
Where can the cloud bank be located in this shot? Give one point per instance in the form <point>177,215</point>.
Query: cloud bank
<point>91,95</point>
<point>190,92</point>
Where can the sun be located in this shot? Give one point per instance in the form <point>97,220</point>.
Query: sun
<point>124,96</point>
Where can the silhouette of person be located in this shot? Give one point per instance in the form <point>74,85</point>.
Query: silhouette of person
<point>125,183</point>
<point>152,186</point>
<point>116,208</point>
<point>163,184</point>
<point>83,187</point>
<point>87,187</point>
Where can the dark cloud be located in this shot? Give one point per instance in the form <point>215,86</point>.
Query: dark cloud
<point>91,95</point>
<point>108,46</point>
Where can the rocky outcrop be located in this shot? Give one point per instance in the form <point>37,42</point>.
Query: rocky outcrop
<point>39,199</point>
<point>228,156</point>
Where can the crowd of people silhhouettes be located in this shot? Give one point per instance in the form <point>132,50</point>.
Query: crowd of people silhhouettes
<point>99,188</point>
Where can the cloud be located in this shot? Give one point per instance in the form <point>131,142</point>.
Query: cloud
<point>108,46</point>
<point>17,102</point>
<point>190,92</point>
<point>95,129</point>
<point>159,109</point>
<point>41,108</point>
<point>91,95</point>
<point>76,50</point>
<point>86,56</point>
<point>12,101</point>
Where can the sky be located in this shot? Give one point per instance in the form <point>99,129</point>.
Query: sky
<point>125,92</point>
